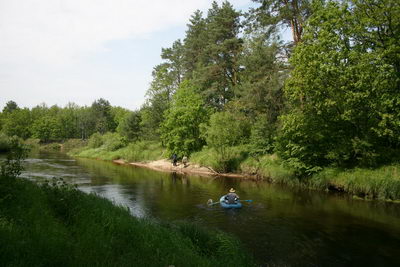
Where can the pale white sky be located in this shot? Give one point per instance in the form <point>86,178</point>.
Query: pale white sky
<point>60,51</point>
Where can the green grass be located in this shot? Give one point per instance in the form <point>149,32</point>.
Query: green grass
<point>230,162</point>
<point>139,151</point>
<point>381,183</point>
<point>269,167</point>
<point>51,226</point>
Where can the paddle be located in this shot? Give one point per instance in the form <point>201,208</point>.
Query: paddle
<point>210,201</point>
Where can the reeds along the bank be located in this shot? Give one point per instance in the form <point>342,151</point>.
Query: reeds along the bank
<point>49,226</point>
<point>381,183</point>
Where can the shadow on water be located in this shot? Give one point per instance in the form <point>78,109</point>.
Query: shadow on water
<point>281,227</point>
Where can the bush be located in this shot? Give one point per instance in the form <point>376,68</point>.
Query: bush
<point>113,141</point>
<point>95,140</point>
<point>228,162</point>
<point>4,142</point>
<point>73,145</point>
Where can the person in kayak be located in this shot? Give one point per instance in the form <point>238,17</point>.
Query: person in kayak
<point>231,197</point>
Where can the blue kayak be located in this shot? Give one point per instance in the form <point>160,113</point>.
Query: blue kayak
<point>226,205</point>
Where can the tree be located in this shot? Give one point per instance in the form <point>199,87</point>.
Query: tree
<point>101,113</point>
<point>262,78</point>
<point>86,123</point>
<point>343,90</point>
<point>18,123</point>
<point>226,129</point>
<point>273,14</point>
<point>180,130</point>
<point>10,107</point>
<point>47,128</point>
<point>129,127</point>
<point>212,49</point>
<point>194,43</point>
<point>68,119</point>
<point>167,77</point>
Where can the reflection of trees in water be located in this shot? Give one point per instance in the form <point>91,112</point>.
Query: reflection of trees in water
<point>180,178</point>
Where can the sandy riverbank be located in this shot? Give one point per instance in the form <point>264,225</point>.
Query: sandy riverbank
<point>190,168</point>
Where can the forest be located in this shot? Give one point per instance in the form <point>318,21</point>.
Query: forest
<point>234,89</point>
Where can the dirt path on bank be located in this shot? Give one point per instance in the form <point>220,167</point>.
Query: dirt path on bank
<point>190,168</point>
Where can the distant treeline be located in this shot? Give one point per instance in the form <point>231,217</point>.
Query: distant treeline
<point>330,97</point>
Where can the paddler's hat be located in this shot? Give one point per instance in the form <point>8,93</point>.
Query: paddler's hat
<point>232,190</point>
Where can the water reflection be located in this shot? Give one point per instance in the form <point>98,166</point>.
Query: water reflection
<point>280,227</point>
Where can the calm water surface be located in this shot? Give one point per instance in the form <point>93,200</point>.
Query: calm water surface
<point>281,227</point>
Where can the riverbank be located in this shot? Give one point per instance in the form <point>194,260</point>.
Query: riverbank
<point>190,168</point>
<point>56,224</point>
<point>382,183</point>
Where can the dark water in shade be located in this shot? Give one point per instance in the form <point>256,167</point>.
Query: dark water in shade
<point>281,227</point>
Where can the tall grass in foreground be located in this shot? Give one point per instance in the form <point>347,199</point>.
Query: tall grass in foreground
<point>61,226</point>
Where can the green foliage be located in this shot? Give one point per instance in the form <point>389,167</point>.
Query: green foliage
<point>12,165</point>
<point>47,128</point>
<point>60,225</point>
<point>344,87</point>
<point>102,116</point>
<point>129,127</point>
<point>95,140</point>
<point>225,130</point>
<point>10,107</point>
<point>262,136</point>
<point>108,141</point>
<point>18,123</point>
<point>271,168</point>
<point>180,130</point>
<point>119,114</point>
<point>381,183</point>
<point>73,145</point>
<point>113,141</point>
<point>5,142</point>
<point>273,14</point>
<point>216,55</point>
<point>166,80</point>
<point>142,151</point>
<point>264,72</point>
<point>233,158</point>
<point>68,118</point>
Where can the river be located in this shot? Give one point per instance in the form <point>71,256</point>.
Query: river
<point>280,227</point>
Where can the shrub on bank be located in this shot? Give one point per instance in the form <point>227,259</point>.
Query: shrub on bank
<point>228,162</point>
<point>73,145</point>
<point>50,226</point>
<point>269,167</point>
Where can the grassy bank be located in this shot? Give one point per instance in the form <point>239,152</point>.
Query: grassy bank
<point>67,146</point>
<point>140,151</point>
<point>382,183</point>
<point>59,225</point>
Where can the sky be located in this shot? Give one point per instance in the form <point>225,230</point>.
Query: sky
<point>60,51</point>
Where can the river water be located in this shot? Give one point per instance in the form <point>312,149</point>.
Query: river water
<point>281,227</point>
